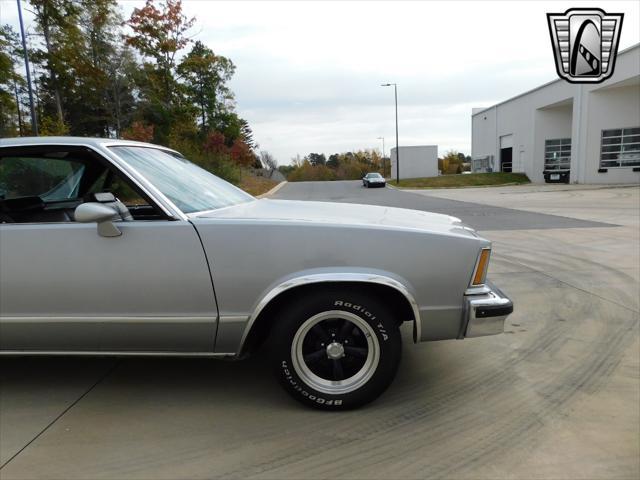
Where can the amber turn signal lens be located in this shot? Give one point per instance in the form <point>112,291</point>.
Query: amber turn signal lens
<point>481,268</point>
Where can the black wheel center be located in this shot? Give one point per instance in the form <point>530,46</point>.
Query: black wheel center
<point>335,349</point>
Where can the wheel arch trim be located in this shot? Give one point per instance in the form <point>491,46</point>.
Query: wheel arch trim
<point>364,278</point>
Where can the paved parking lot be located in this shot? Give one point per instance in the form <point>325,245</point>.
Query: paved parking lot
<point>483,216</point>
<point>557,396</point>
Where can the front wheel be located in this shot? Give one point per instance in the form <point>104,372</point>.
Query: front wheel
<point>336,350</point>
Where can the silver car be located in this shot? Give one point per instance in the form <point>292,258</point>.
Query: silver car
<point>110,247</point>
<point>373,180</point>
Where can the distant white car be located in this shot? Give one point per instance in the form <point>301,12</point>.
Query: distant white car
<point>373,180</point>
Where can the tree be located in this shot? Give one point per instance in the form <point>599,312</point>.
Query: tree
<point>298,161</point>
<point>268,162</point>
<point>160,34</point>
<point>216,144</point>
<point>451,163</point>
<point>11,84</point>
<point>138,131</point>
<point>344,166</point>
<point>334,160</point>
<point>316,159</point>
<point>120,99</point>
<point>241,154</point>
<point>57,22</point>
<point>90,79</point>
<point>97,104</point>
<point>205,75</point>
<point>247,134</point>
<point>286,169</point>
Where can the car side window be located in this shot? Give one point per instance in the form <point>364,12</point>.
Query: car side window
<point>50,178</point>
<point>46,185</point>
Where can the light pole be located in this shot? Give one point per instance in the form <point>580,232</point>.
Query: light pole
<point>383,165</point>
<point>34,121</point>
<point>395,89</point>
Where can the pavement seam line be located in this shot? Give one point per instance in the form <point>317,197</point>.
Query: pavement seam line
<point>73,404</point>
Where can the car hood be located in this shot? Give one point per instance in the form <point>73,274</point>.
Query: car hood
<point>267,210</point>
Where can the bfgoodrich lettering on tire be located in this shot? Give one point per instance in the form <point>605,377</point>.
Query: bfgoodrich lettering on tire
<point>337,349</point>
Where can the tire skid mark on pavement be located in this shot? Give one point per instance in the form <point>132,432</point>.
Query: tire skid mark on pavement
<point>552,254</point>
<point>561,391</point>
<point>603,354</point>
<point>444,399</point>
<point>365,430</point>
<point>514,427</point>
<point>439,404</point>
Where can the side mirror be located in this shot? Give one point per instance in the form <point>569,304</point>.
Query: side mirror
<point>101,214</point>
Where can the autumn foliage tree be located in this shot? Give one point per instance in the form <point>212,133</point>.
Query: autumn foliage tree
<point>159,34</point>
<point>143,78</point>
<point>340,166</point>
<point>139,131</point>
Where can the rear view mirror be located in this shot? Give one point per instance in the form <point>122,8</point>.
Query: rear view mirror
<point>102,214</point>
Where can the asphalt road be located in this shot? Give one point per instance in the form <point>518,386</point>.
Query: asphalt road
<point>481,217</point>
<point>556,396</point>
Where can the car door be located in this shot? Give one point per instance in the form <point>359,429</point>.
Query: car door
<point>65,288</point>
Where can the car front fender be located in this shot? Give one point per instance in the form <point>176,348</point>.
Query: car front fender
<point>373,278</point>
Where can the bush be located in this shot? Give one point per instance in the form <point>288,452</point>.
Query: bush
<point>343,166</point>
<point>307,173</point>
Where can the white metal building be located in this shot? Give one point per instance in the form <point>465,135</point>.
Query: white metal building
<point>584,133</point>
<point>416,161</point>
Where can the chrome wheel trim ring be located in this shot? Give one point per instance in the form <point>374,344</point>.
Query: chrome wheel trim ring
<point>335,387</point>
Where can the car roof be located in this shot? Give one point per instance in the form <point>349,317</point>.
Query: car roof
<point>81,141</point>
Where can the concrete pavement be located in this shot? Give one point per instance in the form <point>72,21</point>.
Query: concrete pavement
<point>557,396</point>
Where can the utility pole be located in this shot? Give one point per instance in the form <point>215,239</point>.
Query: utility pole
<point>34,120</point>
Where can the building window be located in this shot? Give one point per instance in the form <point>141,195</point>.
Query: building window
<point>557,154</point>
<point>620,147</point>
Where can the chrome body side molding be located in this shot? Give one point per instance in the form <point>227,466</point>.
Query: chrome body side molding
<point>99,353</point>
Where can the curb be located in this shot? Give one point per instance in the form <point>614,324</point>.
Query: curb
<point>463,186</point>
<point>273,190</point>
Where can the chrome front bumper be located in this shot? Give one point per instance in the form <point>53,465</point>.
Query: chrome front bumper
<point>486,312</point>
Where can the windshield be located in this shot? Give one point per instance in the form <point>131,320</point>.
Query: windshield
<point>189,187</point>
<point>374,175</point>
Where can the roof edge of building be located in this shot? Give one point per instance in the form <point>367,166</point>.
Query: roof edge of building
<point>637,45</point>
<point>415,146</point>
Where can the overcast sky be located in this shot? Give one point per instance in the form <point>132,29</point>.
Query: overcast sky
<point>308,74</point>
